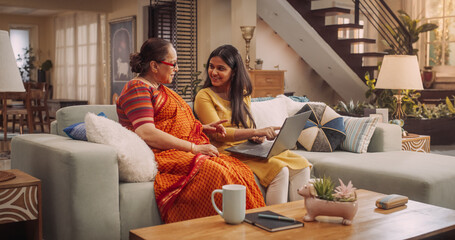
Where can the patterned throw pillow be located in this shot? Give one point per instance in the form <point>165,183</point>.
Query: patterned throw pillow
<point>358,133</point>
<point>324,130</point>
<point>77,130</point>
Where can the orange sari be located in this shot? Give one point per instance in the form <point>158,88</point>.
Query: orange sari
<point>185,181</point>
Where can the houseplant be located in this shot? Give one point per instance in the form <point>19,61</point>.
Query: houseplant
<point>258,64</point>
<point>193,88</point>
<point>322,199</point>
<point>43,68</point>
<point>412,28</point>
<point>28,61</point>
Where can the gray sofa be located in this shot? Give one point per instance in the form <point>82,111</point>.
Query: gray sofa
<point>83,198</point>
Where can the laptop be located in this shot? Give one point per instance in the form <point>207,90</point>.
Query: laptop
<point>286,139</point>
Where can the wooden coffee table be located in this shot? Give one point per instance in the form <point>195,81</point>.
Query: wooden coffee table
<point>414,220</point>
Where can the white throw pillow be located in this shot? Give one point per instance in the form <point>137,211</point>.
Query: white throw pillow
<point>136,161</point>
<point>292,107</point>
<point>269,113</point>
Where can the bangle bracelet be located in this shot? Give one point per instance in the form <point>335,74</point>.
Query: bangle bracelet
<point>192,147</point>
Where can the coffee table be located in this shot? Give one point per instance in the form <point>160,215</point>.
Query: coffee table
<point>415,220</point>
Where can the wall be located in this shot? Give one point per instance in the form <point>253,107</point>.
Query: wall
<point>219,23</point>
<point>299,77</point>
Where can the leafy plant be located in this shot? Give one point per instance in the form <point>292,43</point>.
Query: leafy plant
<point>324,188</point>
<point>46,65</point>
<point>28,59</point>
<point>353,108</point>
<point>413,29</point>
<point>193,86</point>
<point>259,61</point>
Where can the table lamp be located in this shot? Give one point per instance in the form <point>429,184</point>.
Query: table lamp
<point>10,78</point>
<point>399,72</point>
<point>247,33</point>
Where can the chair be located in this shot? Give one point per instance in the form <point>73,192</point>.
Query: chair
<point>37,94</point>
<point>15,110</point>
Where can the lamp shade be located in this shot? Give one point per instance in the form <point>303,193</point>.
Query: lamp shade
<point>399,72</point>
<point>10,78</point>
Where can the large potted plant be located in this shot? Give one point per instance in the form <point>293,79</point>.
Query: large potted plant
<point>412,28</point>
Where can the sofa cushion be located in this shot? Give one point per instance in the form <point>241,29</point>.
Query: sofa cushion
<point>358,133</point>
<point>74,114</point>
<point>77,130</point>
<point>324,130</point>
<point>269,113</point>
<point>135,159</point>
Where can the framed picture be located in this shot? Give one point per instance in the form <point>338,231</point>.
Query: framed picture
<point>122,36</point>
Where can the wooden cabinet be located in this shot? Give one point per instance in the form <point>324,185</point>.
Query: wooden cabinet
<point>267,83</point>
<point>20,207</point>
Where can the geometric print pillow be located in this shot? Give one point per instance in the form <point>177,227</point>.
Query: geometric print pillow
<point>324,131</point>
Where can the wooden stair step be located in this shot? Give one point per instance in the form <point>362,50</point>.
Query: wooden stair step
<point>358,40</point>
<point>370,54</point>
<point>345,26</point>
<point>333,11</point>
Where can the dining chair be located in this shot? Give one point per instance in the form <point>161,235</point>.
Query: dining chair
<point>14,110</point>
<point>38,93</point>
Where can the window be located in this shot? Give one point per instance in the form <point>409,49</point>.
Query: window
<point>23,40</point>
<point>440,43</point>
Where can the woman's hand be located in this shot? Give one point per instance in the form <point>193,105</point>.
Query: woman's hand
<point>207,149</point>
<point>215,127</point>
<point>257,140</point>
<point>268,132</point>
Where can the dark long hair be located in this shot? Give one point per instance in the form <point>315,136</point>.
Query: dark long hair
<point>154,49</point>
<point>240,84</point>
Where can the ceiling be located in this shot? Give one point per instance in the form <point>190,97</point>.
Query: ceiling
<point>27,11</point>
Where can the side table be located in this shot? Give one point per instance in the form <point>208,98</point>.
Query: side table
<point>416,143</point>
<point>20,207</point>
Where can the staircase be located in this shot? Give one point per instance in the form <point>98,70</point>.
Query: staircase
<point>314,50</point>
<point>342,46</point>
<point>300,16</point>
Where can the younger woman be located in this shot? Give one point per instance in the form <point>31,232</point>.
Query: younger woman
<point>226,94</point>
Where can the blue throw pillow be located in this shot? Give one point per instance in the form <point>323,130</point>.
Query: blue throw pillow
<point>77,130</point>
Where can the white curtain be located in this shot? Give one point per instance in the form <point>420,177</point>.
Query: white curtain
<point>80,57</point>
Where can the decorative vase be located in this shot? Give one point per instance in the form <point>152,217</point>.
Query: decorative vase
<point>258,66</point>
<point>318,207</point>
<point>428,76</point>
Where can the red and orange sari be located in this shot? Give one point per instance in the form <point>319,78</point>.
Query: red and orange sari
<point>185,181</point>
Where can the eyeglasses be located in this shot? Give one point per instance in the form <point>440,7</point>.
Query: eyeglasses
<point>169,64</point>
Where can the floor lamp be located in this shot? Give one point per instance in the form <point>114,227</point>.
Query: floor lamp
<point>10,78</point>
<point>399,72</point>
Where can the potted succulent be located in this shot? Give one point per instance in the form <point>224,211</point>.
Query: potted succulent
<point>259,64</point>
<point>322,199</point>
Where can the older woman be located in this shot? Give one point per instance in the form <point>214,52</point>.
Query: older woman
<point>190,168</point>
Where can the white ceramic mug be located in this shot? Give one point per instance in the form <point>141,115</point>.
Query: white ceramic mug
<point>234,201</point>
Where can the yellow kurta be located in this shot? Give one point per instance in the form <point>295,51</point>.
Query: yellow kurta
<point>209,107</point>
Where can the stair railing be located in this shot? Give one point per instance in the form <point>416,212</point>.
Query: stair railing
<point>388,25</point>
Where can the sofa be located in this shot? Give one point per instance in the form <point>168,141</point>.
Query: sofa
<point>83,198</point>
